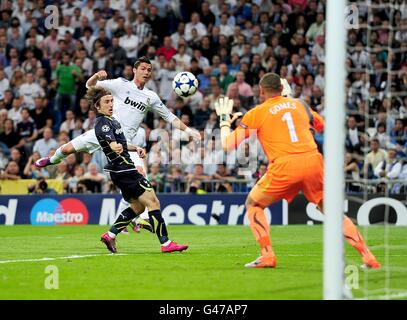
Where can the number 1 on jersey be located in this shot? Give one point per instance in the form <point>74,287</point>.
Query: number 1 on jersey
<point>291,128</point>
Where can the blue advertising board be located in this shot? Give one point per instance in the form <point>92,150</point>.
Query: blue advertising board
<point>77,209</point>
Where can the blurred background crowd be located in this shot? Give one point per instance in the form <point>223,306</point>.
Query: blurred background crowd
<point>228,46</point>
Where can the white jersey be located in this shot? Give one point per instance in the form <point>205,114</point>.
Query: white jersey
<point>131,103</point>
<point>129,107</point>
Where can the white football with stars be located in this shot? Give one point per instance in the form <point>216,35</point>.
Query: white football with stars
<point>185,84</point>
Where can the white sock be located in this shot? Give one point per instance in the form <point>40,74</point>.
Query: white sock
<point>144,215</point>
<point>57,157</point>
<point>111,234</point>
<point>123,205</point>
<point>166,243</point>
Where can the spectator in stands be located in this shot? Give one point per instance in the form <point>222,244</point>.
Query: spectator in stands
<point>399,133</point>
<point>207,17</point>
<point>373,158</point>
<point>90,121</point>
<point>49,45</point>
<point>8,98</point>
<point>182,59</point>
<point>15,112</point>
<point>82,111</point>
<point>316,29</point>
<point>9,136</point>
<point>225,79</point>
<point>40,187</point>
<point>257,47</point>
<point>44,145</point>
<point>382,136</point>
<point>156,178</point>
<point>167,50</point>
<point>174,179</point>
<point>195,69</point>
<point>118,57</point>
<point>195,187</point>
<point>212,122</point>
<point>157,155</point>
<point>12,172</point>
<point>67,75</point>
<point>233,93</point>
<point>31,171</point>
<point>354,139</point>
<point>29,90</point>
<point>202,113</point>
<point>182,108</point>
<point>222,173</point>
<point>94,180</point>
<point>73,181</point>
<point>88,40</point>
<point>352,172</point>
<point>243,87</point>
<point>9,71</point>
<point>62,173</point>
<point>4,160</point>
<point>77,130</point>
<point>27,131</point>
<point>69,123</point>
<point>204,80</point>
<point>262,169</point>
<point>225,28</point>
<point>15,155</point>
<point>389,169</point>
<point>195,24</point>
<point>40,115</point>
<point>143,31</point>
<point>197,174</point>
<point>165,77</point>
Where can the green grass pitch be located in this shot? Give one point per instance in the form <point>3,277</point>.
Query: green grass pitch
<point>212,268</point>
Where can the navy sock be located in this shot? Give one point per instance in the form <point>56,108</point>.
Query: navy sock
<point>123,220</point>
<point>158,225</point>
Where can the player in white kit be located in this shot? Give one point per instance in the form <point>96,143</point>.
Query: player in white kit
<point>131,101</point>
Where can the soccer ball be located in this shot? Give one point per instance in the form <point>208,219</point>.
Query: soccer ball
<point>185,84</point>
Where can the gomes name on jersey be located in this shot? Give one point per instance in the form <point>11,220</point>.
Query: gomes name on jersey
<point>136,104</point>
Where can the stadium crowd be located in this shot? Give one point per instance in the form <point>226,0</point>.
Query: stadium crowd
<point>228,46</point>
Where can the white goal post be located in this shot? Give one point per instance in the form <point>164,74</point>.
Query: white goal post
<point>334,141</point>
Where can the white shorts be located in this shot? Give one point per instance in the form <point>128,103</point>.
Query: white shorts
<point>86,142</point>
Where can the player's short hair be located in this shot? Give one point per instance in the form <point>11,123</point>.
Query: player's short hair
<point>141,60</point>
<point>270,82</point>
<point>94,94</point>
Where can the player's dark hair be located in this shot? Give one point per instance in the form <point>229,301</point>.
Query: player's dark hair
<point>270,82</point>
<point>141,60</point>
<point>94,94</point>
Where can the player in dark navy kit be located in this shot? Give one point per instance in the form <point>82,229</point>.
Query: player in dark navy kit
<point>135,189</point>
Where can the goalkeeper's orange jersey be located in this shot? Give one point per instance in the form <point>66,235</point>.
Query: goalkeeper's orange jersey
<point>282,126</point>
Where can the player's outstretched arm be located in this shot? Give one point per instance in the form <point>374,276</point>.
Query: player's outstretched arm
<point>177,123</point>
<point>140,151</point>
<point>100,75</point>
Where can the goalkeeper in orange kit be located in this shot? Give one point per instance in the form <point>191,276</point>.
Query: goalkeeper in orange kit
<point>283,126</point>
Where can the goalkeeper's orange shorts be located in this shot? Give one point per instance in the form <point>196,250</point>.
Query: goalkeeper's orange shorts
<point>288,175</point>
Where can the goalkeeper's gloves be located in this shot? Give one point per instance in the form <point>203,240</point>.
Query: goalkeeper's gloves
<point>224,107</point>
<point>287,92</point>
